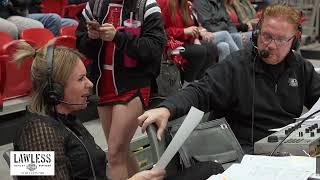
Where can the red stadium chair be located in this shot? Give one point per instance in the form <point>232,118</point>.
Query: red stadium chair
<point>17,80</point>
<point>4,39</point>
<point>68,30</point>
<point>53,6</point>
<point>68,41</point>
<point>37,36</point>
<point>3,60</point>
<point>73,10</point>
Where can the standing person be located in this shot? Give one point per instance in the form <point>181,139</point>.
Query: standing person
<point>60,87</point>
<point>254,89</point>
<point>123,88</point>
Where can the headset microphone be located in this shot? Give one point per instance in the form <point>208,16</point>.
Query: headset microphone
<point>91,99</point>
<point>262,53</point>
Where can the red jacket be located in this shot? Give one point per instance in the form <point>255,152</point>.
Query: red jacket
<point>174,26</point>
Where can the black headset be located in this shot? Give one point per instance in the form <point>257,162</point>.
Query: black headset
<point>296,40</point>
<point>53,92</point>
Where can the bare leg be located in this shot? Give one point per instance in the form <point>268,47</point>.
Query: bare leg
<point>105,115</point>
<point>123,126</point>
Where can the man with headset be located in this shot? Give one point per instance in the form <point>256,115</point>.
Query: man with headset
<point>254,89</point>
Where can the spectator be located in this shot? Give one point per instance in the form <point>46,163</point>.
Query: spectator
<point>180,26</point>
<point>124,66</point>
<point>242,14</point>
<point>12,22</point>
<point>214,17</point>
<point>51,21</point>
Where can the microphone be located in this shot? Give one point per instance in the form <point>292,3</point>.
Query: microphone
<point>262,53</point>
<point>91,99</point>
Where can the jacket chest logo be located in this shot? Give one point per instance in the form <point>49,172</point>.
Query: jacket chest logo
<point>293,82</point>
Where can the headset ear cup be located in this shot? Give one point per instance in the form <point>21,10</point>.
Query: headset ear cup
<point>55,95</point>
<point>254,37</point>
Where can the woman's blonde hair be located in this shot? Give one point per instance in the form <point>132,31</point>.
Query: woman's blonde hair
<point>64,60</point>
<point>292,15</point>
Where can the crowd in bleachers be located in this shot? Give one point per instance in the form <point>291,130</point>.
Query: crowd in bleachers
<point>209,29</point>
<point>216,21</point>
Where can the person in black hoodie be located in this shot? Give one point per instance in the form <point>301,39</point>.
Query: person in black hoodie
<point>254,89</point>
<point>123,67</point>
<point>12,21</point>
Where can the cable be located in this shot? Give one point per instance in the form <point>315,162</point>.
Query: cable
<point>291,130</point>
<point>253,99</point>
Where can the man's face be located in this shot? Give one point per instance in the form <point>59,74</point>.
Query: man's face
<point>276,36</point>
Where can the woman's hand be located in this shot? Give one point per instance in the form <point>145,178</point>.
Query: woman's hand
<point>192,30</point>
<point>153,174</point>
<point>159,115</point>
<point>93,33</point>
<point>107,32</point>
<point>206,36</point>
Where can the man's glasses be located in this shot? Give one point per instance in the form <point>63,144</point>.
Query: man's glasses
<point>267,39</point>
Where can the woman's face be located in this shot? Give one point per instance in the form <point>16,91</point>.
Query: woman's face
<point>76,89</point>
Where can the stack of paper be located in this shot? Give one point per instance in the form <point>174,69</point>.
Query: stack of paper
<point>256,167</point>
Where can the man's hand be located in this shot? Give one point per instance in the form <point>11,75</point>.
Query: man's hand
<point>153,174</point>
<point>107,32</point>
<point>159,115</point>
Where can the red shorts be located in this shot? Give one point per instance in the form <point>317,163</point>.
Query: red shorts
<point>126,97</point>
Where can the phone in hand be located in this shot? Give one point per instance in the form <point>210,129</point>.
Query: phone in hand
<point>94,24</point>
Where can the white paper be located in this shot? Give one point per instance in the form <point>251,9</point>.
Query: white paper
<point>190,122</point>
<point>253,167</point>
<point>311,120</point>
<point>314,108</point>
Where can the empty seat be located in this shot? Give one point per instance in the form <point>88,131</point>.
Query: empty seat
<point>37,36</point>
<point>17,78</point>
<point>68,41</point>
<point>73,10</point>
<point>3,59</point>
<point>4,39</point>
<point>68,30</point>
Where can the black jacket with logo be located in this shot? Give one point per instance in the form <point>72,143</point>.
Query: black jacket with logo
<point>147,48</point>
<point>227,88</point>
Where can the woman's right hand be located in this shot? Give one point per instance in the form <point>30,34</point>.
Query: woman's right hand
<point>192,30</point>
<point>93,33</point>
<point>160,116</point>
